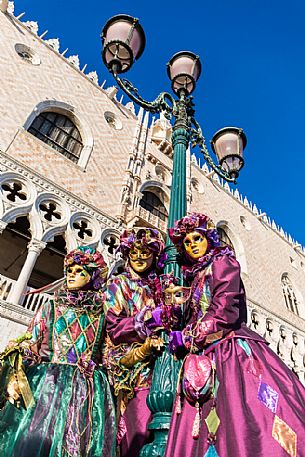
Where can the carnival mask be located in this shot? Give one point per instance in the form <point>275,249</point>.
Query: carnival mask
<point>77,277</point>
<point>140,259</point>
<point>176,295</point>
<point>195,245</point>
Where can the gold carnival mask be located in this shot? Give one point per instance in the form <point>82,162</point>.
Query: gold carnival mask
<point>141,259</point>
<point>176,295</point>
<point>195,245</point>
<point>77,277</point>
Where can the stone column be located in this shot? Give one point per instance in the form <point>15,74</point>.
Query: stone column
<point>34,249</point>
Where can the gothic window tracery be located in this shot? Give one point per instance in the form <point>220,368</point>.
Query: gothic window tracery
<point>290,297</point>
<point>59,132</point>
<point>154,205</point>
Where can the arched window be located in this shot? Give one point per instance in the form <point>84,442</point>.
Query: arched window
<point>153,204</point>
<point>291,300</point>
<point>59,132</point>
<point>225,240</point>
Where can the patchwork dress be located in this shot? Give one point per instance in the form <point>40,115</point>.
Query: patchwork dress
<point>73,414</point>
<point>256,405</point>
<point>128,295</point>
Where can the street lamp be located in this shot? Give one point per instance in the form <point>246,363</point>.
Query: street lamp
<point>123,41</point>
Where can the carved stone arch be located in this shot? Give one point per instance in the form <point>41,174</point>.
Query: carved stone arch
<point>13,214</point>
<point>51,233</point>
<point>78,119</point>
<point>162,189</point>
<point>153,183</point>
<point>237,245</point>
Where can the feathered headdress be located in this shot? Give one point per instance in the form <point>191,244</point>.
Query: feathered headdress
<point>143,237</point>
<point>92,261</point>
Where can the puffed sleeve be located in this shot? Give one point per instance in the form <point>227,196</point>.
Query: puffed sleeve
<point>226,308</point>
<point>121,324</point>
<point>39,326</point>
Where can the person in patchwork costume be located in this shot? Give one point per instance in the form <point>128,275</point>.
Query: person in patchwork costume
<point>55,397</point>
<point>134,300</point>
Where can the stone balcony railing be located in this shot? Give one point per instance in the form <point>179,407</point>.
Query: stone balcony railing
<point>28,302</point>
<point>143,217</point>
<point>285,339</point>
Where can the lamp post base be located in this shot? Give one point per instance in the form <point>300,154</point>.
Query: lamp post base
<point>160,401</point>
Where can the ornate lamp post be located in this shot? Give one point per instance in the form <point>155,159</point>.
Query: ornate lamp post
<point>123,42</point>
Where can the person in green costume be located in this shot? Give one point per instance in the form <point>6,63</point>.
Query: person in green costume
<point>54,395</point>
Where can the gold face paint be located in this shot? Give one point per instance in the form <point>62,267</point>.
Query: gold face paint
<point>176,295</point>
<point>195,244</point>
<point>77,277</point>
<point>140,259</point>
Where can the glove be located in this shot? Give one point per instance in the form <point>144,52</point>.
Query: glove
<point>142,352</point>
<point>175,341</point>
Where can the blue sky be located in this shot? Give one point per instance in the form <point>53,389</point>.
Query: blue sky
<point>253,76</point>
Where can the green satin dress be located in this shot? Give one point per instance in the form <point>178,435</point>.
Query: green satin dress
<point>73,414</point>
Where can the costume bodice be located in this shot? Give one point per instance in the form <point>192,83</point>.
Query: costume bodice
<point>75,334</point>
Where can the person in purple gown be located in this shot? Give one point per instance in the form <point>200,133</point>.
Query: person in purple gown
<point>235,397</point>
<point>134,299</point>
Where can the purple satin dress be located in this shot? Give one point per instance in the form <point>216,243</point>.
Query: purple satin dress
<point>257,408</point>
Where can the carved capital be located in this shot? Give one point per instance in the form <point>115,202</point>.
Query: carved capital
<point>36,246</point>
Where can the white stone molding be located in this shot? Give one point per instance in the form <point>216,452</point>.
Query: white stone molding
<point>15,313</point>
<point>79,120</point>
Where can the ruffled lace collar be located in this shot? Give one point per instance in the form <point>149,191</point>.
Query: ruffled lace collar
<point>190,270</point>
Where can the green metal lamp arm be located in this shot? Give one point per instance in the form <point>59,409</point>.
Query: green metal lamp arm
<point>181,109</point>
<point>197,138</point>
<point>164,103</point>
